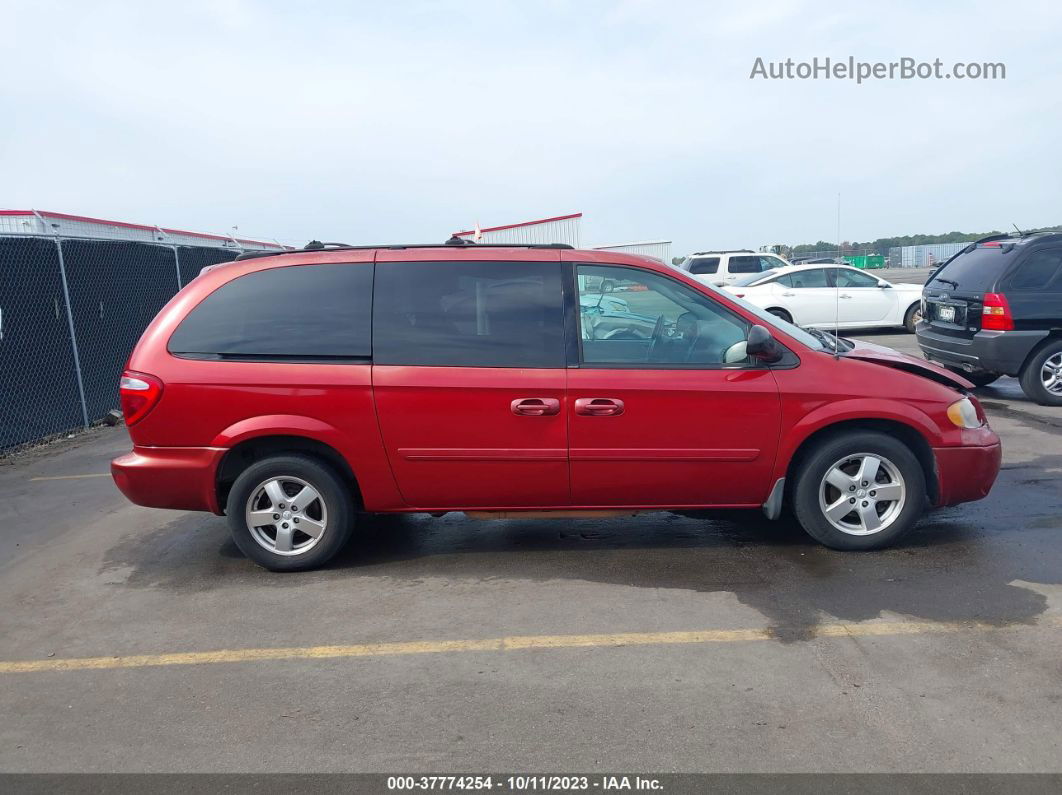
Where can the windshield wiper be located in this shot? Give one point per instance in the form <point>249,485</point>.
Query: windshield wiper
<point>949,281</point>
<point>832,342</point>
<point>821,336</point>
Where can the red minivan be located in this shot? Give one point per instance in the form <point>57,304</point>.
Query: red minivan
<point>293,392</point>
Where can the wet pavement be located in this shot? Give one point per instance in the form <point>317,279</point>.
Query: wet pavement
<point>949,655</point>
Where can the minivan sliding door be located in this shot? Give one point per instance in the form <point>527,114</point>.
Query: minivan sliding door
<point>469,379</point>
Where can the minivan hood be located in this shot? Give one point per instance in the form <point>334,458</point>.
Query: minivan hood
<point>879,354</point>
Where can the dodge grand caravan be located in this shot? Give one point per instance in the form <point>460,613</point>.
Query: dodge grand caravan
<point>291,393</point>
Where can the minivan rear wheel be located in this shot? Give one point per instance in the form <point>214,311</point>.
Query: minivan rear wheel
<point>289,513</point>
<point>859,490</point>
<point>1041,377</point>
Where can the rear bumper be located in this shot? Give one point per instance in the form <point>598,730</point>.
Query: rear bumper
<point>967,473</point>
<point>182,478</point>
<point>991,351</point>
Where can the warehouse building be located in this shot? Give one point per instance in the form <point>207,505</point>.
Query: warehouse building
<point>658,249</point>
<point>924,256</point>
<point>43,222</point>
<point>558,229</point>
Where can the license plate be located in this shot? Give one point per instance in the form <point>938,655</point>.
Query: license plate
<point>946,313</point>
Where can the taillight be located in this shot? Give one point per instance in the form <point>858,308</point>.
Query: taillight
<point>996,316</point>
<point>139,392</point>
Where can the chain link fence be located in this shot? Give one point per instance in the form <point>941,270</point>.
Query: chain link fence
<point>71,310</point>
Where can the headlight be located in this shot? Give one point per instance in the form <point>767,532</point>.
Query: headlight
<point>963,413</point>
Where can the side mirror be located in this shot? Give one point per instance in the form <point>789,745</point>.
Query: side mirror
<point>884,285</point>
<point>608,286</point>
<point>760,345</point>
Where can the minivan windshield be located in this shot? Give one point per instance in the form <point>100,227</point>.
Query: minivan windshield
<point>772,321</point>
<point>975,271</point>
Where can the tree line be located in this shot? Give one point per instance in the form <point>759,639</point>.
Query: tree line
<point>883,244</point>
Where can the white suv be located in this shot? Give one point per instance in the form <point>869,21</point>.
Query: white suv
<point>723,267</point>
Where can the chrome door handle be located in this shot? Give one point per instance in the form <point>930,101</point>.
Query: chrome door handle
<point>789,295</point>
<point>845,295</point>
<point>535,407</point>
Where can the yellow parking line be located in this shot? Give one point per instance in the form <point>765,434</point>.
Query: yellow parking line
<point>512,643</point>
<point>75,477</point>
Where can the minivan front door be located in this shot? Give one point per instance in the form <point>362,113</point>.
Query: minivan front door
<point>469,379</point>
<point>665,410</point>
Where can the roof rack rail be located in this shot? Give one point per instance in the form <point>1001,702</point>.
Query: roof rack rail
<point>317,245</point>
<point>724,251</point>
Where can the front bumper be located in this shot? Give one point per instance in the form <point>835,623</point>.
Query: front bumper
<point>988,351</point>
<point>967,473</point>
<point>183,478</point>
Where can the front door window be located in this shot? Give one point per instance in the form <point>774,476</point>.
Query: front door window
<point>630,317</point>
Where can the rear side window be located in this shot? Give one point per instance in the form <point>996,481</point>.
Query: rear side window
<point>295,312</point>
<point>975,271</point>
<point>744,265</point>
<point>469,314</point>
<point>704,265</point>
<point>808,279</point>
<point>1040,270</point>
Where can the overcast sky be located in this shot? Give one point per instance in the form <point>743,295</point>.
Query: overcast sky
<point>405,121</point>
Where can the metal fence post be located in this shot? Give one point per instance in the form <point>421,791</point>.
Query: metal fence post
<point>73,334</point>
<point>177,265</point>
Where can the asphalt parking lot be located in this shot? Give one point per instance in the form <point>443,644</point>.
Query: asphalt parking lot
<point>658,643</point>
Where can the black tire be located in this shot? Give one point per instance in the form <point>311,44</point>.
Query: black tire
<point>912,316</point>
<point>781,313</point>
<point>979,378</point>
<point>333,504</point>
<point>1031,375</point>
<point>832,450</point>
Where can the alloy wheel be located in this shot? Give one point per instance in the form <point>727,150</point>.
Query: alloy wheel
<point>862,494</point>
<point>286,515</point>
<point>1051,374</point>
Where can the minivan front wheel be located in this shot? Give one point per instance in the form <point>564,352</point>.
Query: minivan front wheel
<point>859,490</point>
<point>289,513</point>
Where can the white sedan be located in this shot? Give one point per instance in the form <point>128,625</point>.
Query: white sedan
<point>825,296</point>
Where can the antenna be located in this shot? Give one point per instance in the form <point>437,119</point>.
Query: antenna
<point>1020,233</point>
<point>837,290</point>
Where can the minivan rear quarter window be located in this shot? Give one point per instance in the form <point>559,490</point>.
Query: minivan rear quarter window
<point>975,271</point>
<point>298,312</point>
<point>469,314</point>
